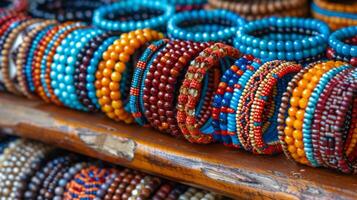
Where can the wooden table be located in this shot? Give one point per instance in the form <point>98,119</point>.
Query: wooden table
<point>227,171</point>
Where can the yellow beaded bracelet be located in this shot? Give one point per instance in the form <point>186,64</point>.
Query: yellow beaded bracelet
<point>112,67</point>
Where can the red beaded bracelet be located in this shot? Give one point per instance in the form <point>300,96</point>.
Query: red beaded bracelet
<point>191,89</point>
<point>259,108</point>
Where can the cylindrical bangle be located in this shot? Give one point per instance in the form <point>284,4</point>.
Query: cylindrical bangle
<point>142,10</point>
<point>205,26</point>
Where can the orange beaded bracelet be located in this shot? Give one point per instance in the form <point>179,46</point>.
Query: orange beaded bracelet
<point>298,101</point>
<point>113,66</point>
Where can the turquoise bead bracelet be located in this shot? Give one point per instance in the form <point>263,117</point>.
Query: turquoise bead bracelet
<point>127,7</point>
<point>213,31</point>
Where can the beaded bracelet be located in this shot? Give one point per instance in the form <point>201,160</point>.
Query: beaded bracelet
<point>321,103</point>
<point>335,14</point>
<point>113,67</point>
<point>64,66</point>
<point>31,54</point>
<point>334,127</point>
<point>66,178</point>
<point>81,67</point>
<point>37,69</point>
<point>136,88</point>
<point>277,78</point>
<point>5,30</point>
<point>191,87</point>
<point>252,10</point>
<point>298,102</point>
<point>21,57</point>
<point>245,102</point>
<point>162,13</point>
<point>309,112</point>
<point>223,96</point>
<point>342,50</point>
<point>64,10</point>
<point>28,157</point>
<point>50,52</point>
<point>285,131</point>
<point>87,182</point>
<point>219,26</point>
<point>12,42</point>
<point>313,44</point>
<point>161,80</point>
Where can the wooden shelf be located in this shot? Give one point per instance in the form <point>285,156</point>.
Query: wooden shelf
<point>231,172</point>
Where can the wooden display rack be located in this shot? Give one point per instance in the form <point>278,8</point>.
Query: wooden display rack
<point>215,167</point>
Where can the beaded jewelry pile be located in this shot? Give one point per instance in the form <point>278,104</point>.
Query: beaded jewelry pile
<point>273,92</point>
<point>31,170</point>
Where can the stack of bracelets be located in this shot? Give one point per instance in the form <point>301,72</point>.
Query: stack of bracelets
<point>343,45</point>
<point>186,5</point>
<point>335,13</point>
<point>31,170</point>
<point>252,10</point>
<point>194,85</point>
<point>127,16</point>
<point>292,39</point>
<point>13,6</point>
<point>64,10</point>
<point>317,117</point>
<point>203,26</point>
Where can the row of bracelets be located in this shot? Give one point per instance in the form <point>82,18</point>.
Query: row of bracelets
<point>184,88</point>
<point>252,10</point>
<point>336,14</point>
<point>31,170</point>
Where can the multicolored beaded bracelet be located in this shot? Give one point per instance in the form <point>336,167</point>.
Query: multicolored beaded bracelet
<point>205,26</point>
<point>317,115</point>
<point>142,8</point>
<point>310,109</point>
<point>316,35</point>
<point>191,88</point>
<point>298,102</point>
<point>262,128</point>
<point>113,67</point>
<point>87,182</point>
<point>136,88</point>
<point>223,96</point>
<point>12,42</point>
<point>21,57</point>
<point>335,126</point>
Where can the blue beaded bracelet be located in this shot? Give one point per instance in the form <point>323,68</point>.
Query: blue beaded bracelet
<point>63,66</point>
<point>238,89</point>
<point>337,44</point>
<point>92,68</point>
<point>314,43</point>
<point>310,110</point>
<point>136,104</point>
<point>205,25</point>
<point>128,7</point>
